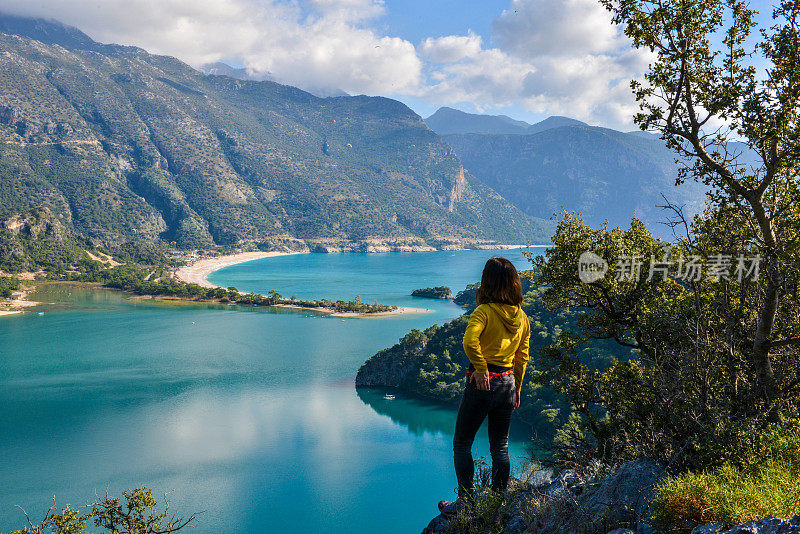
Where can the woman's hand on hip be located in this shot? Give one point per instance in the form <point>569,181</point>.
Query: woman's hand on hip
<point>481,380</point>
<point>516,403</point>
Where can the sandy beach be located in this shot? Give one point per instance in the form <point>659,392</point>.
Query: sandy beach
<point>197,272</point>
<point>17,304</point>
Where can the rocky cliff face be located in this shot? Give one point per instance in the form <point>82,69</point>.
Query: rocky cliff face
<point>36,224</point>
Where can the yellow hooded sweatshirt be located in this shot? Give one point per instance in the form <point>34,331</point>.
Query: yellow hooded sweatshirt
<point>498,334</point>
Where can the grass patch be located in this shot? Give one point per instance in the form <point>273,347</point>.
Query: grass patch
<point>765,483</point>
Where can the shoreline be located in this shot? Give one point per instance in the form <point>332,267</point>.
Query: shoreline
<point>399,310</point>
<point>197,272</point>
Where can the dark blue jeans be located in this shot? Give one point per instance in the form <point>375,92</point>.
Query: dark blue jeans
<point>497,404</point>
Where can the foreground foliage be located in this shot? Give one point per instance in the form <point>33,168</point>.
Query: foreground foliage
<point>136,513</point>
<point>490,511</point>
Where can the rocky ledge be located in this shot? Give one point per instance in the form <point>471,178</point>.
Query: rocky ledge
<point>770,525</point>
<point>615,504</point>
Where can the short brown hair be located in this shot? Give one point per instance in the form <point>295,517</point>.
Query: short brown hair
<point>500,283</point>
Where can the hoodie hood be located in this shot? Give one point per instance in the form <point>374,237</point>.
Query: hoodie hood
<point>510,316</point>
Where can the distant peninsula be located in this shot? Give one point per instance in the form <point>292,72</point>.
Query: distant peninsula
<point>438,292</point>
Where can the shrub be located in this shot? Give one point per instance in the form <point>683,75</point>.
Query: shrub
<point>764,484</point>
<point>138,512</point>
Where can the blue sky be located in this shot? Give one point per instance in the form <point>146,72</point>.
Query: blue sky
<point>525,58</point>
<point>417,20</point>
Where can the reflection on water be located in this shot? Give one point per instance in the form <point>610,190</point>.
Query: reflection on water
<point>420,416</point>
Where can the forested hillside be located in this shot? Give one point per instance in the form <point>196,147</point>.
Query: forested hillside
<point>121,145</point>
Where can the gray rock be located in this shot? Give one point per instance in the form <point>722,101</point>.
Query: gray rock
<point>438,525</point>
<point>629,490</point>
<point>645,528</point>
<point>769,525</point>
<point>566,481</point>
<point>713,528</point>
<point>571,504</point>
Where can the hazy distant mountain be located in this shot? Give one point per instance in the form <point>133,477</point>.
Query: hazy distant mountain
<point>452,121</point>
<point>449,121</point>
<point>555,121</point>
<point>123,145</point>
<point>604,174</point>
<point>647,135</point>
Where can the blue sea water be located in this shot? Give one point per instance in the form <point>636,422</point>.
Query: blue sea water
<point>249,414</point>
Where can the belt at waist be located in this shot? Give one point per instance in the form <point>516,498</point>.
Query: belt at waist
<point>493,375</point>
<point>491,367</point>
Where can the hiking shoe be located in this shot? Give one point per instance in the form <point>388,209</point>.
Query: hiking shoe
<point>448,508</point>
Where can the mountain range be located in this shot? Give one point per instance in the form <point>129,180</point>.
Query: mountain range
<point>453,121</point>
<point>119,145</point>
<point>562,163</point>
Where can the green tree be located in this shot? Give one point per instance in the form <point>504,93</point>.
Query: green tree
<point>701,99</point>
<point>716,357</point>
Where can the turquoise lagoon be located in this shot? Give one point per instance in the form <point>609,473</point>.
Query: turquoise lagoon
<point>249,414</point>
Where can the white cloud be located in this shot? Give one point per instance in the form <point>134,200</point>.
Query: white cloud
<point>530,28</point>
<point>329,53</point>
<point>326,47</point>
<point>451,48</point>
<point>560,57</point>
<point>489,78</point>
<point>350,9</point>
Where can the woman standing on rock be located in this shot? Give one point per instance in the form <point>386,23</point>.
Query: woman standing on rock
<point>496,343</point>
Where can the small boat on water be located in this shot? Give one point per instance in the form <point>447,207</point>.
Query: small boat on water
<point>388,396</point>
